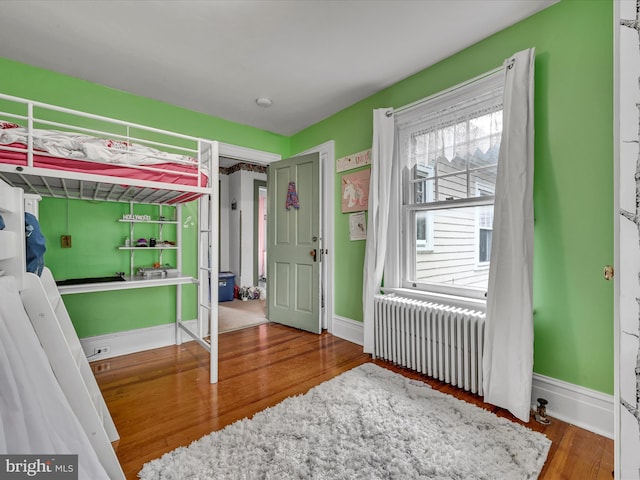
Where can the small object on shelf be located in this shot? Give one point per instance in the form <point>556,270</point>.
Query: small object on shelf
<point>155,272</point>
<point>127,242</point>
<point>134,217</point>
<point>141,242</point>
<point>152,242</point>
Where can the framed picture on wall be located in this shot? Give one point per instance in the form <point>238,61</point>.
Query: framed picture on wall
<point>355,191</point>
<point>357,226</point>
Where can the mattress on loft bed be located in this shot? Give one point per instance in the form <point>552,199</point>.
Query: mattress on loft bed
<point>55,150</point>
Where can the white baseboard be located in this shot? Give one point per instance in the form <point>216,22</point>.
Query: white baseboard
<point>132,341</point>
<point>348,329</point>
<point>570,403</point>
<point>574,404</point>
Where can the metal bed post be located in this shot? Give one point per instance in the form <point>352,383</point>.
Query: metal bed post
<point>213,248</point>
<point>179,267</point>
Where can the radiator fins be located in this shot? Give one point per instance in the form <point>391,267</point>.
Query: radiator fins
<point>441,341</point>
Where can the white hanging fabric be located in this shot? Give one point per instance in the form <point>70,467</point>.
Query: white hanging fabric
<point>378,221</point>
<point>508,350</point>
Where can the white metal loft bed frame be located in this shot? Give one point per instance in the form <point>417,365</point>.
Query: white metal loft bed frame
<point>174,169</point>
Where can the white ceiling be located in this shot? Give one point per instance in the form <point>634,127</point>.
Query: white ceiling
<point>312,58</point>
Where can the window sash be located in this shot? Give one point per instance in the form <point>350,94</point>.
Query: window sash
<point>409,277</point>
<point>425,187</point>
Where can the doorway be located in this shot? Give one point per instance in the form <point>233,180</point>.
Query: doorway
<point>240,251</point>
<point>260,232</point>
<point>232,154</point>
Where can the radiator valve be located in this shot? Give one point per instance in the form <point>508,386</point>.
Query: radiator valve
<point>541,413</point>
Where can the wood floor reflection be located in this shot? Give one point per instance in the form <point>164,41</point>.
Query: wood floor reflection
<point>161,399</point>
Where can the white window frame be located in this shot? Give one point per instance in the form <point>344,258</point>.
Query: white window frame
<point>481,187</point>
<point>412,114</point>
<point>426,245</point>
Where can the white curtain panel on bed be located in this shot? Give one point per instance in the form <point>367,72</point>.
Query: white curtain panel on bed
<point>508,354</point>
<point>378,221</point>
<point>35,417</point>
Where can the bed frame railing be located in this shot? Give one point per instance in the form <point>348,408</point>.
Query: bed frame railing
<point>174,149</point>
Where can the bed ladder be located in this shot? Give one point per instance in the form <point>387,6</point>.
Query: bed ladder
<point>208,279</point>
<point>51,321</point>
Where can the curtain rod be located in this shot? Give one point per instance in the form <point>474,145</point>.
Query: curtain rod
<point>447,91</point>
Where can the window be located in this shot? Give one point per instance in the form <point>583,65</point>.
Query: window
<point>448,155</point>
<point>423,219</point>
<point>484,224</point>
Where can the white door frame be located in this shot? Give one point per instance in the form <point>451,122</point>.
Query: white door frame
<point>327,189</point>
<point>616,240</point>
<point>327,165</point>
<point>624,306</point>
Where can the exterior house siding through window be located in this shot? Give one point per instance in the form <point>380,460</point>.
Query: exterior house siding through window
<point>450,159</point>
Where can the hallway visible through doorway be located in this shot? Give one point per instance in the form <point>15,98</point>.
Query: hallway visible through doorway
<point>238,314</point>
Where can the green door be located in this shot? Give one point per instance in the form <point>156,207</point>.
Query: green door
<point>293,247</point>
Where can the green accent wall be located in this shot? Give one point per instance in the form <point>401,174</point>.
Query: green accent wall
<point>573,191</point>
<point>573,183</point>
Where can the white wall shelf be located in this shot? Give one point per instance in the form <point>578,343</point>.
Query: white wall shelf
<point>128,283</point>
<point>162,247</point>
<point>131,246</point>
<point>174,222</point>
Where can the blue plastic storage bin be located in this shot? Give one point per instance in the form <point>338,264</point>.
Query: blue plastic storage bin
<point>226,282</point>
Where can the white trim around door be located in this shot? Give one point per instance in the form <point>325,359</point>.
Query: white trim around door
<point>327,164</point>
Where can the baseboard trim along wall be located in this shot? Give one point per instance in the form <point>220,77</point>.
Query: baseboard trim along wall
<point>570,403</point>
<point>132,341</point>
<point>583,407</point>
<point>348,329</point>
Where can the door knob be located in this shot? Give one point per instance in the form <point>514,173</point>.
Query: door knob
<point>313,254</point>
<point>608,272</point>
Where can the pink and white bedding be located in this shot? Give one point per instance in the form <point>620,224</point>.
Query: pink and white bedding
<point>86,154</point>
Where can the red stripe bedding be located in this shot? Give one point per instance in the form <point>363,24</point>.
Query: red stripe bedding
<point>175,176</point>
<point>81,153</point>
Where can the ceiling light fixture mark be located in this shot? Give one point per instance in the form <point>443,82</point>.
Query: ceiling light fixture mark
<point>264,102</point>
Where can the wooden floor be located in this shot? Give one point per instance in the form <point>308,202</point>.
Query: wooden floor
<point>161,399</point>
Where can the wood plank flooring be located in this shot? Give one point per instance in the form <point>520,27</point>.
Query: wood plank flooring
<point>161,399</point>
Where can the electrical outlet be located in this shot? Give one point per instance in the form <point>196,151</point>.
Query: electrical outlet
<point>65,241</point>
<point>101,367</point>
<point>101,350</point>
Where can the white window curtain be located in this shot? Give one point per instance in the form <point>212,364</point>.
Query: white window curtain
<point>508,350</point>
<point>378,221</point>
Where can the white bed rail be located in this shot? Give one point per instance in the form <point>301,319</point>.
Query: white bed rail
<point>12,247</point>
<point>170,161</point>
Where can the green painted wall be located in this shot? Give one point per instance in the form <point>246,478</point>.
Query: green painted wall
<point>93,225</point>
<point>573,179</point>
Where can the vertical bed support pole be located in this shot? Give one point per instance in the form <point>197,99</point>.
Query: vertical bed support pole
<point>179,268</point>
<point>30,134</point>
<point>214,268</point>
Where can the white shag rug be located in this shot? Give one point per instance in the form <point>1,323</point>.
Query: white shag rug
<point>368,423</point>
